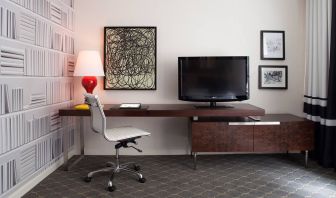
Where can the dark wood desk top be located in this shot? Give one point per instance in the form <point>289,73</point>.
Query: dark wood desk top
<point>265,118</point>
<point>171,110</point>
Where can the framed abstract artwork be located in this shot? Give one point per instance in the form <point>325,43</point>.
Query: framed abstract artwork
<point>272,45</point>
<point>273,77</point>
<point>130,58</point>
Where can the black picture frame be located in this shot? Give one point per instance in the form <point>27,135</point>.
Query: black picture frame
<point>274,45</point>
<point>273,75</point>
<point>130,54</point>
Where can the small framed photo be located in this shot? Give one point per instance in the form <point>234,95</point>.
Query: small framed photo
<point>273,77</point>
<point>272,45</point>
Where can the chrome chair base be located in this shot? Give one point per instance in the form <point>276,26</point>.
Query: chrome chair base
<point>114,168</point>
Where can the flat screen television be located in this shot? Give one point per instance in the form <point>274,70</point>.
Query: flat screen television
<point>213,79</point>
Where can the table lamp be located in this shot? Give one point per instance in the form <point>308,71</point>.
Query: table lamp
<point>89,65</point>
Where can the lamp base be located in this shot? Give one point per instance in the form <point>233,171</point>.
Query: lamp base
<point>89,83</point>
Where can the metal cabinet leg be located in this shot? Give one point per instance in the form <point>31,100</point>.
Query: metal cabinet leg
<point>306,158</point>
<point>195,160</point>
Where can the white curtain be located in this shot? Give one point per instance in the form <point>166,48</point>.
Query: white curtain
<point>318,28</point>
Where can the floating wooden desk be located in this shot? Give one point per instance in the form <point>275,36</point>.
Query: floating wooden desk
<point>160,110</point>
<point>171,110</point>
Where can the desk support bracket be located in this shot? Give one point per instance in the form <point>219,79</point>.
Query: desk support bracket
<point>67,166</point>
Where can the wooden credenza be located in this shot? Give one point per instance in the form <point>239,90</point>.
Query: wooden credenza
<point>222,129</point>
<point>159,110</point>
<point>274,133</point>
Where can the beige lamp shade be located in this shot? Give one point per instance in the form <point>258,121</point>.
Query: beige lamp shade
<point>89,64</point>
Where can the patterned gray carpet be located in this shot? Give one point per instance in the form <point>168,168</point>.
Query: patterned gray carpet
<point>217,176</point>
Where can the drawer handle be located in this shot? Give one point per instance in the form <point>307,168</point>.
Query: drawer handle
<point>252,123</point>
<point>267,123</point>
<point>241,123</point>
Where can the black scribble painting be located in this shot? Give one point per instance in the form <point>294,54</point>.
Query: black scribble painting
<point>273,77</point>
<point>130,58</point>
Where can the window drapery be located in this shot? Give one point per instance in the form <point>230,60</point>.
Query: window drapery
<point>320,85</point>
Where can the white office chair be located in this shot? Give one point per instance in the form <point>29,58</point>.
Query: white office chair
<point>122,135</point>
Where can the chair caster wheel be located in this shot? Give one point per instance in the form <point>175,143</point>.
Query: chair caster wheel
<point>137,168</point>
<point>111,188</point>
<point>142,180</point>
<point>87,179</point>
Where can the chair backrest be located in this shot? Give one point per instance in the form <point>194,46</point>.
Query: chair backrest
<point>98,119</point>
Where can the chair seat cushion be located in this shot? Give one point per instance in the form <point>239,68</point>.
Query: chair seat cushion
<point>122,133</point>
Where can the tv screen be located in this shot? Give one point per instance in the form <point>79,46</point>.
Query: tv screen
<point>213,79</point>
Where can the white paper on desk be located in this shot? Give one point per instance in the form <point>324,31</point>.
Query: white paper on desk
<point>130,105</point>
